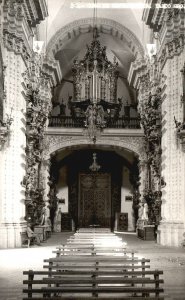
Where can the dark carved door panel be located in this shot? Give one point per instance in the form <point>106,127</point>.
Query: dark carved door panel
<point>94,200</point>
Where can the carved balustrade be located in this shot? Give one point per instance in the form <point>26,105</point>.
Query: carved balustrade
<point>70,122</point>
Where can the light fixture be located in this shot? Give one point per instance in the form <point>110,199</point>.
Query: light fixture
<point>94,167</point>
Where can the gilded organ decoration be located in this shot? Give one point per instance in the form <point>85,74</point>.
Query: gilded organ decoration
<point>95,88</point>
<point>95,77</point>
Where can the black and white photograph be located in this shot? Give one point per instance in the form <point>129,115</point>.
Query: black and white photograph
<point>92,149</point>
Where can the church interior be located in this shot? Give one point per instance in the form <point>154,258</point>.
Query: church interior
<point>92,149</point>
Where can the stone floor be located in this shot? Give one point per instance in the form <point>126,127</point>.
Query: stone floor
<point>14,261</point>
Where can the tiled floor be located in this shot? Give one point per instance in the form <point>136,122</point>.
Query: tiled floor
<point>14,261</point>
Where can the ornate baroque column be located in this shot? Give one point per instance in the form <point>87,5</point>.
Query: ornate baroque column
<point>169,33</point>
<point>38,95</point>
<point>147,80</point>
<point>17,22</point>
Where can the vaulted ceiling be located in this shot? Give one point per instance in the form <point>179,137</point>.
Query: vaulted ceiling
<point>68,30</point>
<point>61,13</point>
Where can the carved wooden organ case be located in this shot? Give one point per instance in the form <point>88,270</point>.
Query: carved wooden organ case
<point>95,82</point>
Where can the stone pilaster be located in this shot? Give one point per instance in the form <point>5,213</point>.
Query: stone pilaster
<point>13,160</point>
<point>170,60</point>
<point>170,231</point>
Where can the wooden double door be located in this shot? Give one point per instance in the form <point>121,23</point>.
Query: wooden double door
<point>94,203</point>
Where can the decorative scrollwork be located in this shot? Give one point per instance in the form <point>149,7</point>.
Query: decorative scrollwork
<point>38,106</point>
<point>150,113</point>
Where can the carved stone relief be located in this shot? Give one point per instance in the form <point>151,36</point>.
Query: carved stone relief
<point>53,143</point>
<point>150,114</point>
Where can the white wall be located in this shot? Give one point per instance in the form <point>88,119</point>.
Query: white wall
<point>126,206</point>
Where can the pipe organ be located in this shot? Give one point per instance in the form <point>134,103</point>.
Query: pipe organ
<point>95,79</point>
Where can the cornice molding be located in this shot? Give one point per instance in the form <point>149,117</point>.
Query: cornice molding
<point>42,10</point>
<point>171,49</point>
<point>137,68</point>
<point>19,18</point>
<point>52,68</point>
<point>167,23</point>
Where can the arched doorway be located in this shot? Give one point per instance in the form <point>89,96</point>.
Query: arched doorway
<point>89,197</point>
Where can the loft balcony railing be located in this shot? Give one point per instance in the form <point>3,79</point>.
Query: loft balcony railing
<point>69,122</point>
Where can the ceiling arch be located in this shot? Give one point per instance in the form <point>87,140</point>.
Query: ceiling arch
<point>85,25</point>
<point>56,143</point>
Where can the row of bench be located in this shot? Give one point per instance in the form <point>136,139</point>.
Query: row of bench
<point>85,268</point>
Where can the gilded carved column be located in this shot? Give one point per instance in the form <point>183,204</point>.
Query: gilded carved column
<point>147,80</point>
<point>38,95</point>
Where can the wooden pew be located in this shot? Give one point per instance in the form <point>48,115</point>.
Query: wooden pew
<point>94,238</point>
<point>78,284</point>
<point>94,233</point>
<point>103,240</point>
<point>107,263</point>
<point>103,235</point>
<point>86,270</point>
<point>92,250</point>
<point>100,230</point>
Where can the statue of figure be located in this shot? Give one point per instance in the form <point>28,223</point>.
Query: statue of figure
<point>100,116</point>
<point>140,211</point>
<point>57,220</point>
<point>90,115</point>
<point>43,216</point>
<point>145,211</point>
